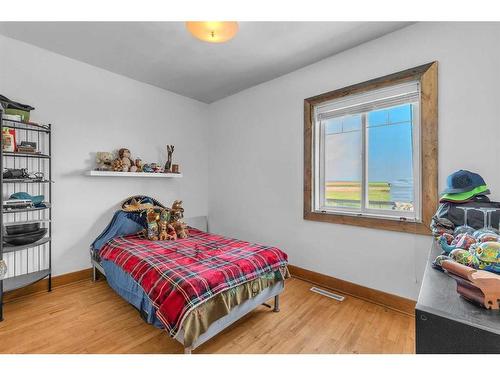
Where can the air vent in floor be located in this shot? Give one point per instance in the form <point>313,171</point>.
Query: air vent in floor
<point>328,294</point>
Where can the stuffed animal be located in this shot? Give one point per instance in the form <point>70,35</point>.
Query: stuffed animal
<point>138,164</point>
<point>177,211</point>
<point>125,157</point>
<point>153,230</point>
<point>117,165</point>
<point>180,229</point>
<point>163,231</point>
<point>104,160</point>
<point>176,214</point>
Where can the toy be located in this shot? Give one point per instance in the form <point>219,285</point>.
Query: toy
<point>125,157</point>
<point>168,164</point>
<point>117,165</point>
<point>104,160</point>
<point>482,256</point>
<point>180,229</point>
<point>167,232</point>
<point>138,164</point>
<point>147,168</point>
<point>152,217</point>
<point>461,241</point>
<point>176,214</point>
<point>177,211</point>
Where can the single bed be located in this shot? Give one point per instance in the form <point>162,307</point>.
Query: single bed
<point>193,288</point>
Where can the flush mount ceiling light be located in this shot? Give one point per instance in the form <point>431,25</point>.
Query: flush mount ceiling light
<point>212,31</point>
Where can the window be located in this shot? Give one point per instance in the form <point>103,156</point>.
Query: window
<point>365,148</point>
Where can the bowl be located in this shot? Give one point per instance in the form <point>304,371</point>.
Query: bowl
<point>22,228</point>
<point>24,238</point>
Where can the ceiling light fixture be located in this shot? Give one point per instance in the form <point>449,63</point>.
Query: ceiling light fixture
<point>213,32</point>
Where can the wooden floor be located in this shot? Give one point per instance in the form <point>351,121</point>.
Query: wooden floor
<point>88,317</point>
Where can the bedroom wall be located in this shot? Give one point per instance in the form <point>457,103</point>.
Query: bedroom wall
<point>256,159</point>
<point>94,110</point>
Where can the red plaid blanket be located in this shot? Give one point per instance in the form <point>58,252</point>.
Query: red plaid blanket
<point>180,275</point>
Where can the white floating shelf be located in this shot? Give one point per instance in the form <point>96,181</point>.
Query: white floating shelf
<point>132,174</point>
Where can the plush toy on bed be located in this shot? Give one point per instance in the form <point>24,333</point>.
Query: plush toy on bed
<point>152,231</point>
<point>176,214</point>
<point>167,231</point>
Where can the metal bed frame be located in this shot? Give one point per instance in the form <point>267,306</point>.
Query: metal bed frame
<point>219,325</point>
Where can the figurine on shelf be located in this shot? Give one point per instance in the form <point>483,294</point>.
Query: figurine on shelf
<point>168,164</point>
<point>125,156</point>
<point>117,165</point>
<point>104,160</point>
<point>147,168</point>
<point>138,164</point>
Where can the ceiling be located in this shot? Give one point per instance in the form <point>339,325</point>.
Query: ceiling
<point>164,54</point>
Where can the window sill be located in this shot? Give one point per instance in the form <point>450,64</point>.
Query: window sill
<point>370,222</point>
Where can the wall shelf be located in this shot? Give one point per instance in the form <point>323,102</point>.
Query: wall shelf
<point>132,174</point>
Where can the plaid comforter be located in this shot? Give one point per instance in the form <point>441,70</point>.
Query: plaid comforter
<point>180,275</point>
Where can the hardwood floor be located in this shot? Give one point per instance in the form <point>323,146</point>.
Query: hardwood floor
<point>88,317</point>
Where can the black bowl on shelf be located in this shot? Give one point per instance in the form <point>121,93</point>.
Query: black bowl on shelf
<point>24,238</point>
<point>25,228</point>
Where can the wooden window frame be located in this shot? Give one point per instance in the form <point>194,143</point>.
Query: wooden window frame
<point>427,75</point>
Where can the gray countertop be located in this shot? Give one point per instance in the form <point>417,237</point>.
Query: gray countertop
<point>438,296</point>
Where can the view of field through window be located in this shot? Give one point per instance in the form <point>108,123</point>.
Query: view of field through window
<point>389,148</point>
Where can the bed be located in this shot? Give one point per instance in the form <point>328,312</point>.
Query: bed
<point>193,288</point>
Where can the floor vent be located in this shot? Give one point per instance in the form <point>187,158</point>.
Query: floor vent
<point>328,294</point>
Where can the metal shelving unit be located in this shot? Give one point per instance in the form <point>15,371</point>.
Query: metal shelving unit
<point>26,264</point>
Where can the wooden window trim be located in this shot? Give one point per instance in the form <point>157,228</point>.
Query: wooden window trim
<point>427,75</point>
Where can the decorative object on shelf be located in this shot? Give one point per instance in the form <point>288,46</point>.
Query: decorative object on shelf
<point>147,168</point>
<point>138,164</point>
<point>3,269</point>
<point>126,158</point>
<point>168,164</point>
<point>94,173</point>
<point>27,147</point>
<point>117,165</point>
<point>104,160</point>
<point>9,139</point>
<point>175,168</point>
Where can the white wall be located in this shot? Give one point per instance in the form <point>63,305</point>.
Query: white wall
<point>256,158</point>
<point>94,110</point>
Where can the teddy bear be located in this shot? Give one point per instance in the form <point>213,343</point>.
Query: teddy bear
<point>104,160</point>
<point>138,164</point>
<point>117,165</point>
<point>126,159</point>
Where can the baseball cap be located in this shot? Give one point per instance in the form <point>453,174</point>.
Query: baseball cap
<point>463,181</point>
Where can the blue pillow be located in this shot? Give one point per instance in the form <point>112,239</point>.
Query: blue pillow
<point>122,224</point>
